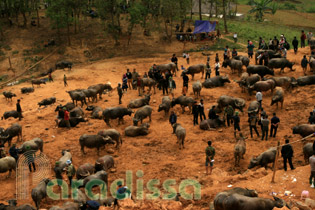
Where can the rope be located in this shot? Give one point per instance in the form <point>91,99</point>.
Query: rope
<point>14,78</point>
<point>313,134</point>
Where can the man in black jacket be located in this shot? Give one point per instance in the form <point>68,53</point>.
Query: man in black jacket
<point>212,114</point>
<point>164,84</point>
<point>195,112</point>
<point>295,44</point>
<point>287,154</point>
<point>202,110</point>
<point>19,109</point>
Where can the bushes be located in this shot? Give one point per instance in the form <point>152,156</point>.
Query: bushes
<point>287,6</point>
<point>311,9</point>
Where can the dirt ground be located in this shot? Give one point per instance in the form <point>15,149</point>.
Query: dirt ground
<point>157,154</point>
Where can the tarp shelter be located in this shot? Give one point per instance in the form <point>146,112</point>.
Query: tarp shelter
<point>204,26</point>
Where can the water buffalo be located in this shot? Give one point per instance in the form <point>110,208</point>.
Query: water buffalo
<point>235,65</point>
<point>37,82</point>
<point>241,202</point>
<point>195,69</point>
<point>197,88</point>
<point>113,133</point>
<point>148,82</point>
<point>217,81</point>
<point>210,124</point>
<point>12,131</point>
<point>68,106</point>
<point>68,205</point>
<point>280,63</point>
<point>104,163</point>
<point>236,103</point>
<point>307,151</point>
<point>39,192</point>
<point>62,163</point>
<point>180,134</point>
<point>100,88</point>
<point>306,80</point>
<point>47,101</point>
<point>183,101</point>
<point>285,82</point>
<point>81,198</point>
<point>239,150</point>
<point>114,113</point>
<point>27,90</point>
<point>312,64</point>
<point>134,131</point>
<point>253,107</point>
<point>141,114</point>
<point>74,121</point>
<point>84,170</point>
<point>7,164</point>
<point>9,114</point>
<point>89,93</point>
<point>8,95</point>
<point>244,59</point>
<point>304,129</point>
<point>77,96</point>
<point>260,70</point>
<point>94,141</point>
<point>100,175</point>
<point>140,102</point>
<point>34,144</point>
<point>271,54</point>
<point>96,112</point>
<point>165,105</point>
<point>262,86</point>
<point>242,81</point>
<point>264,158</point>
<point>63,65</point>
<point>278,96</point>
<point>170,67</point>
<point>76,112</point>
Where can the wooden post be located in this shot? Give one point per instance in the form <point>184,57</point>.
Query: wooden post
<point>275,163</point>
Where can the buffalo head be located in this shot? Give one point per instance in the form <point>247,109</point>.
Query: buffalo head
<point>253,162</point>
<point>108,140</point>
<point>253,193</point>
<point>296,130</point>
<point>279,203</point>
<point>225,63</point>
<point>239,103</point>
<point>129,112</point>
<point>90,108</point>
<point>225,79</point>
<point>135,121</point>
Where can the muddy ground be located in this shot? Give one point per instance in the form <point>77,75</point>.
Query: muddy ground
<point>157,154</point>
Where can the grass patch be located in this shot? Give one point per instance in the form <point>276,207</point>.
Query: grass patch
<point>311,9</point>
<point>287,6</point>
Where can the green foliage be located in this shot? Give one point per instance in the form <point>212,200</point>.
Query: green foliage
<point>59,13</point>
<point>260,7</point>
<point>311,9</point>
<point>287,6</point>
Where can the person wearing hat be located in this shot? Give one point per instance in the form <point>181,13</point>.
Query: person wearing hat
<point>30,156</point>
<point>14,152</point>
<point>287,154</point>
<point>174,60</point>
<point>236,122</point>
<point>19,109</point>
<point>67,117</point>
<point>210,153</point>
<point>122,193</point>
<point>250,48</point>
<point>2,152</point>
<point>202,110</point>
<point>60,115</point>
<point>120,92</point>
<point>171,85</point>
<point>195,112</point>
<point>185,83</point>
<point>295,44</point>
<point>70,170</point>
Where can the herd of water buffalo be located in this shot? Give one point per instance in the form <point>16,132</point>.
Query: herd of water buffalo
<point>254,79</point>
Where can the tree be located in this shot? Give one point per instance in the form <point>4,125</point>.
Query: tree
<point>200,14</point>
<point>137,15</point>
<point>262,7</point>
<point>224,16</point>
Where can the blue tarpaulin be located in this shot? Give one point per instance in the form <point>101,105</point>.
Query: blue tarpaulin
<point>203,26</point>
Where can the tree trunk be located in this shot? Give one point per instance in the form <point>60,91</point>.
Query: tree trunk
<point>37,13</point>
<point>68,32</point>
<point>24,20</point>
<point>210,12</point>
<point>224,18</point>
<point>216,8</point>
<point>191,9</point>
<point>75,22</point>
<point>130,33</point>
<point>200,14</point>
<point>235,7</point>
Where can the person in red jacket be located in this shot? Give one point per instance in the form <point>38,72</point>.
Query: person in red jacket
<point>303,37</point>
<point>67,117</point>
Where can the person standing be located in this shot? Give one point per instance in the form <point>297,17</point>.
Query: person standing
<point>259,98</point>
<point>171,85</point>
<point>295,44</point>
<point>173,120</point>
<point>50,77</point>
<point>217,60</point>
<point>124,83</point>
<point>65,83</point>
<point>217,69</point>
<point>139,85</point>
<point>303,37</point>
<point>228,113</point>
<point>270,44</point>
<point>266,58</point>
<point>185,84</point>
<point>208,70</point>
<point>120,92</point>
<point>252,120</point>
<point>19,109</point>
<point>175,60</point>
<point>274,125</point>
<point>235,37</point>
<point>250,49</point>
<point>275,43</point>
<point>70,170</point>
<point>234,53</point>
<point>264,127</point>
<point>227,53</point>
<point>164,82</point>
<point>187,58</point>
<point>30,157</point>
<point>2,152</point>
<point>210,153</point>
<point>135,76</point>
<point>129,78</point>
<point>304,63</point>
<point>312,164</point>
<point>309,37</point>
<point>236,122</point>
<point>212,114</point>
<point>284,52</point>
<point>202,110</point>
<point>14,152</point>
<point>195,112</point>
<point>67,117</point>
<point>287,154</point>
